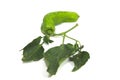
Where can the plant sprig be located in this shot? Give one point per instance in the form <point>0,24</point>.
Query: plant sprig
<point>54,56</point>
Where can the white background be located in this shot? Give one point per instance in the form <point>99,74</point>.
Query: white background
<point>98,30</point>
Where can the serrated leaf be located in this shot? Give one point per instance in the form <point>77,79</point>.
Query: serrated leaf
<point>56,55</point>
<point>33,51</point>
<point>47,40</point>
<point>80,59</point>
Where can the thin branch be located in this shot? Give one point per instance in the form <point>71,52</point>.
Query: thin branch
<point>66,31</point>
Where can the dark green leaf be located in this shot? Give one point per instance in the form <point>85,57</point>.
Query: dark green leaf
<point>80,59</point>
<point>33,43</point>
<point>56,55</point>
<point>33,51</point>
<point>50,41</point>
<point>76,46</point>
<point>47,40</point>
<point>81,47</point>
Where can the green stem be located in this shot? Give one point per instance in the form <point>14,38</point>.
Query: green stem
<point>63,38</point>
<point>64,35</point>
<point>73,39</point>
<point>66,31</point>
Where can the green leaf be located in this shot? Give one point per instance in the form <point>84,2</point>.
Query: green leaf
<point>76,46</point>
<point>80,59</point>
<point>56,55</point>
<point>33,51</point>
<point>35,42</point>
<point>47,40</point>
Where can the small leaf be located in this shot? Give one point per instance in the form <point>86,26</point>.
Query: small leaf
<point>80,59</point>
<point>76,46</point>
<point>50,41</point>
<point>56,55</point>
<point>33,51</point>
<point>33,43</point>
<point>47,40</point>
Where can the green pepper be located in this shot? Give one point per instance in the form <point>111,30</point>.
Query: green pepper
<point>52,19</point>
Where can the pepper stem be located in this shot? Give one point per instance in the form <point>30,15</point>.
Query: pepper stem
<point>62,33</point>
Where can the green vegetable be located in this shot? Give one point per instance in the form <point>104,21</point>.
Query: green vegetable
<point>54,56</point>
<point>55,18</point>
